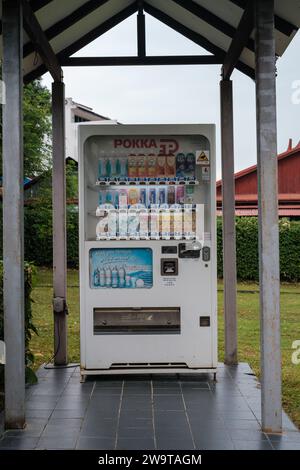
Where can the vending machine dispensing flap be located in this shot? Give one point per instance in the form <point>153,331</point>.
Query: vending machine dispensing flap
<point>189,249</point>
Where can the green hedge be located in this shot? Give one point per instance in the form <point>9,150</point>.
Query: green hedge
<point>29,274</point>
<point>247,249</point>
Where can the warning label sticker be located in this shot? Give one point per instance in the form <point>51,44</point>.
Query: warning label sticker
<point>202,157</point>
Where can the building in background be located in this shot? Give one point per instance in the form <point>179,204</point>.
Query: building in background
<point>288,186</point>
<point>75,113</point>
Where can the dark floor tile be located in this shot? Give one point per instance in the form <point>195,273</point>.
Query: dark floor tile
<point>56,443</point>
<point>39,414</point>
<point>167,391</point>
<point>213,444</point>
<point>105,428</point>
<point>175,432</point>
<point>95,443</point>
<point>245,424</point>
<point>136,413</point>
<point>59,432</point>
<point>167,443</point>
<point>135,444</point>
<point>18,443</point>
<point>34,428</point>
<point>128,421</point>
<point>66,423</point>
<point>252,445</point>
<point>68,414</point>
<point>175,418</point>
<point>247,435</point>
<point>135,433</point>
<point>168,402</point>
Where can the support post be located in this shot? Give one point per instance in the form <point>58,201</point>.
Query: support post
<point>268,216</point>
<point>141,31</point>
<point>13,215</point>
<point>59,225</point>
<point>228,211</point>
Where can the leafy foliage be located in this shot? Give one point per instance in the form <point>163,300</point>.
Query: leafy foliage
<point>36,130</point>
<point>247,249</point>
<point>29,276</point>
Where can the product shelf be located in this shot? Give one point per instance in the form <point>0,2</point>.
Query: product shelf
<point>144,182</point>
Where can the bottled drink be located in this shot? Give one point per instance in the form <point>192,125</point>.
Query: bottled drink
<point>151,167</point>
<point>190,166</point>
<point>123,222</point>
<point>161,166</point>
<point>108,277</point>
<point>114,277</point>
<point>133,196</point>
<point>102,277</point>
<point>170,166</point>
<point>180,165</point>
<point>122,274</point>
<point>144,223</point>
<point>102,167</point>
<point>152,196</point>
<point>142,166</point>
<point>143,198</point>
<point>132,167</point>
<point>123,167</point>
<point>180,194</point>
<point>123,200</point>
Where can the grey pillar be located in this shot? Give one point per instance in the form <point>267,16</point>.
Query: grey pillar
<point>228,210</point>
<point>59,224</point>
<point>268,216</point>
<point>13,214</point>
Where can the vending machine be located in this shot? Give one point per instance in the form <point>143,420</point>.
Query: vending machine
<point>147,248</point>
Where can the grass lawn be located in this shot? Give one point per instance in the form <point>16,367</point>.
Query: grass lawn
<point>248,329</point>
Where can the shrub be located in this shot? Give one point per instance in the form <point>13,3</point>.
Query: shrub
<point>29,275</point>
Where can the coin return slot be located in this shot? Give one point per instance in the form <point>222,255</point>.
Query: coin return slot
<point>165,320</point>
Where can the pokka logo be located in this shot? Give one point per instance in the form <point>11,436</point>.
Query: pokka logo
<point>162,146</point>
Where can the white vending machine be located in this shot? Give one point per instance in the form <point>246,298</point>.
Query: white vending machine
<point>148,278</point>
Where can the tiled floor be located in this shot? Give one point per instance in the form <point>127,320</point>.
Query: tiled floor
<point>147,412</point>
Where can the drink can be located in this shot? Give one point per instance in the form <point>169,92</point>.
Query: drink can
<point>171,195</point>
<point>161,196</point>
<point>152,196</point>
<point>180,194</point>
<point>143,196</point>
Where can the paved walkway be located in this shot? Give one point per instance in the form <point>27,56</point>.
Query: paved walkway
<point>147,412</point>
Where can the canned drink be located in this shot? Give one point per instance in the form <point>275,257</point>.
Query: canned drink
<point>180,194</point>
<point>171,195</point>
<point>143,196</point>
<point>133,196</point>
<point>180,165</point>
<point>162,196</point>
<point>152,196</point>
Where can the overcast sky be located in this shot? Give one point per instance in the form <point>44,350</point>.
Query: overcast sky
<point>179,94</point>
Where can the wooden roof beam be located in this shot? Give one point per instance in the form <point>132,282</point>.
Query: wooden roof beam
<point>239,41</point>
<point>42,46</point>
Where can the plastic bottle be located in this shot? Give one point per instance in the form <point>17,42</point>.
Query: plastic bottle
<point>114,277</point>
<point>128,280</point>
<point>102,167</point>
<point>108,277</point>
<point>123,167</point>
<point>102,277</point>
<point>122,275</point>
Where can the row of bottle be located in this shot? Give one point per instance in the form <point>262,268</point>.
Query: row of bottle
<point>124,197</point>
<point>112,276</point>
<point>159,222</point>
<point>182,166</point>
